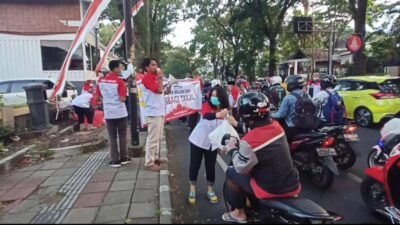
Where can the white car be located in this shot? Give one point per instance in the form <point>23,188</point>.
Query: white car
<point>12,92</point>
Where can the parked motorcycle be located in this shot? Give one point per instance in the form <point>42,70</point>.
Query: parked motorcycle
<point>380,153</point>
<point>312,153</point>
<point>287,211</point>
<point>343,135</point>
<point>381,189</point>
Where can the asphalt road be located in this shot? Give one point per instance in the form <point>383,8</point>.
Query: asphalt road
<point>343,197</point>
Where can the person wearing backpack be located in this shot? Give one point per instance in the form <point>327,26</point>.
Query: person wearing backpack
<point>297,109</point>
<point>330,104</point>
<point>276,91</point>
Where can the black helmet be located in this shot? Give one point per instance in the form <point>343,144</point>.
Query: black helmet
<point>328,81</point>
<point>253,106</point>
<point>295,82</point>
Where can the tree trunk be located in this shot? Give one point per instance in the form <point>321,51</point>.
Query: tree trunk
<point>141,41</point>
<point>360,59</point>
<point>272,56</point>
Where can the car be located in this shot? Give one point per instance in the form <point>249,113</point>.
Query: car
<point>13,92</point>
<point>370,99</point>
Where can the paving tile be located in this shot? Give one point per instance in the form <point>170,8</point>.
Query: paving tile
<point>118,197</point>
<point>2,192</point>
<point>27,206</point>
<point>142,210</point>
<point>32,168</point>
<point>55,180</point>
<point>143,221</point>
<point>144,196</point>
<point>97,187</point>
<point>18,218</point>
<point>32,182</point>
<point>111,213</point>
<point>17,193</point>
<point>89,200</point>
<point>43,173</point>
<point>72,164</point>
<point>122,185</point>
<point>147,184</point>
<point>126,175</point>
<point>12,206</point>
<point>52,165</point>
<point>145,174</point>
<point>106,176</point>
<point>65,172</point>
<point>81,216</point>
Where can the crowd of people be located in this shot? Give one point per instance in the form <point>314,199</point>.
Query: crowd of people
<point>268,115</point>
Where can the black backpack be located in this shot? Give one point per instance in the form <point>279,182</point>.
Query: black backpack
<point>305,113</point>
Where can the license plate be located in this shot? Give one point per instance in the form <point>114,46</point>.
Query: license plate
<point>326,152</point>
<point>351,137</point>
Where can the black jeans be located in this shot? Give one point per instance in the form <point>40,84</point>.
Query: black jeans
<point>196,156</point>
<point>84,112</point>
<point>117,128</point>
<point>238,186</point>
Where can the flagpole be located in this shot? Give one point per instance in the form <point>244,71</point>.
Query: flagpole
<point>132,87</point>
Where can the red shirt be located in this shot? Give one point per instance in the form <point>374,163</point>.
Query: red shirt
<point>236,91</point>
<point>150,81</point>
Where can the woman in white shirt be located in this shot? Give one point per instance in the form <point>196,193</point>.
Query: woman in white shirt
<point>82,108</point>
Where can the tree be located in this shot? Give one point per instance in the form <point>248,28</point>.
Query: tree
<point>180,62</point>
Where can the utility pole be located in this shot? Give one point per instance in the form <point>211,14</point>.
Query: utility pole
<point>330,67</point>
<point>133,106</point>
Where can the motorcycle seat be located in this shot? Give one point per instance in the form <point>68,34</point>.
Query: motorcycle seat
<point>311,135</point>
<point>298,206</point>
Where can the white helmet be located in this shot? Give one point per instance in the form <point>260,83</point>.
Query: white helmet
<point>215,82</point>
<point>276,80</point>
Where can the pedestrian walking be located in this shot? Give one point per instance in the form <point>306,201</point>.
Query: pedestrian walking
<point>83,109</point>
<point>112,90</point>
<point>154,112</point>
<point>213,112</point>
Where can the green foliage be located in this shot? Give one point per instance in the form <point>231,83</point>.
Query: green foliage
<point>181,63</point>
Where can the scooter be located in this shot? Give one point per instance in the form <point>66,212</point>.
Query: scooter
<point>380,153</point>
<point>287,211</point>
<point>344,135</point>
<point>381,189</point>
<point>313,153</point>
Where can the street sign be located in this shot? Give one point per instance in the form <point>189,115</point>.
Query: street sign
<point>354,43</point>
<point>302,25</point>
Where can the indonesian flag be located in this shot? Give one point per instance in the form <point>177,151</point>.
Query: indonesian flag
<point>92,15</point>
<point>117,36</point>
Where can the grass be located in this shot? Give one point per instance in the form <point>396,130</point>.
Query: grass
<point>47,154</point>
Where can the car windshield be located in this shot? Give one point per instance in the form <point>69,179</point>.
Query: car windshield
<point>391,86</point>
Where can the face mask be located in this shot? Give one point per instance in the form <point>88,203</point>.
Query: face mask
<point>215,101</point>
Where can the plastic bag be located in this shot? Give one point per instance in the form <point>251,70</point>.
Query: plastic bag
<point>219,132</point>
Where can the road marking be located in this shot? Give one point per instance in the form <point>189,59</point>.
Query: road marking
<point>221,163</point>
<point>354,177</point>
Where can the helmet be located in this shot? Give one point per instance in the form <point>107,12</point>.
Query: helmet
<point>328,81</point>
<point>253,106</point>
<point>276,80</point>
<point>215,82</point>
<point>295,82</point>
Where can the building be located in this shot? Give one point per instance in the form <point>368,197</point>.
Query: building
<point>35,36</point>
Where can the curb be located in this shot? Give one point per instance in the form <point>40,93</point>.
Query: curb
<point>78,149</point>
<point>69,129</point>
<point>10,161</point>
<point>165,216</point>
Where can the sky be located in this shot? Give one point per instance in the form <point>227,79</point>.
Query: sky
<point>182,30</point>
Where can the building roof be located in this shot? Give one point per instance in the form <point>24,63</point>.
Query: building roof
<point>39,17</point>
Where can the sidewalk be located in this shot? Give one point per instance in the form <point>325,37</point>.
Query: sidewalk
<point>82,189</point>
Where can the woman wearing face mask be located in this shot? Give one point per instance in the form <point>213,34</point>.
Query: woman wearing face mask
<point>213,112</point>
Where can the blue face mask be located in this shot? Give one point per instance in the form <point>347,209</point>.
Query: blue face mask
<point>215,101</point>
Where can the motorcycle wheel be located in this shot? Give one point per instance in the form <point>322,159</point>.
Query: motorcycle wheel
<point>346,158</point>
<point>373,194</point>
<point>372,159</point>
<point>323,178</point>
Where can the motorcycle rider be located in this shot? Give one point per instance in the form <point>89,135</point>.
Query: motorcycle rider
<point>276,91</point>
<point>262,165</point>
<point>295,85</point>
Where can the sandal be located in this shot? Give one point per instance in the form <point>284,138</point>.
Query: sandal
<point>212,197</point>
<point>192,198</point>
<point>228,218</point>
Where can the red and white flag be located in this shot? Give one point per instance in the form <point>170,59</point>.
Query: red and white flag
<point>117,36</point>
<point>92,15</point>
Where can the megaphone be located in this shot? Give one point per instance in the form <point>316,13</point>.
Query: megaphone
<point>172,80</point>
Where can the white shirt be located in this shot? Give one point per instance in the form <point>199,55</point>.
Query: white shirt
<point>111,88</point>
<point>320,100</point>
<point>199,135</point>
<point>83,100</point>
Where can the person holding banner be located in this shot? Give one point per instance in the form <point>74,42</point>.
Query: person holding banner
<point>153,96</point>
<point>112,90</point>
<point>213,113</point>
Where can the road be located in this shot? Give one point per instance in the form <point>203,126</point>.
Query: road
<point>343,197</point>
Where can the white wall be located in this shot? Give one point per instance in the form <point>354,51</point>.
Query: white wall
<point>20,57</point>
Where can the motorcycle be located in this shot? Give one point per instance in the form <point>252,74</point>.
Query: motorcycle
<point>381,189</point>
<point>390,138</point>
<point>312,153</point>
<point>343,134</point>
<point>287,211</point>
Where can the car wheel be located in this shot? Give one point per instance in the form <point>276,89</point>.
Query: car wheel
<point>363,117</point>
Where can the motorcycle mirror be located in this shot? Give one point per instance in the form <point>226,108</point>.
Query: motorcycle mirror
<point>225,139</point>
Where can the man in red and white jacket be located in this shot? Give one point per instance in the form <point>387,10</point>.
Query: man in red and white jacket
<point>154,112</point>
<point>111,88</point>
